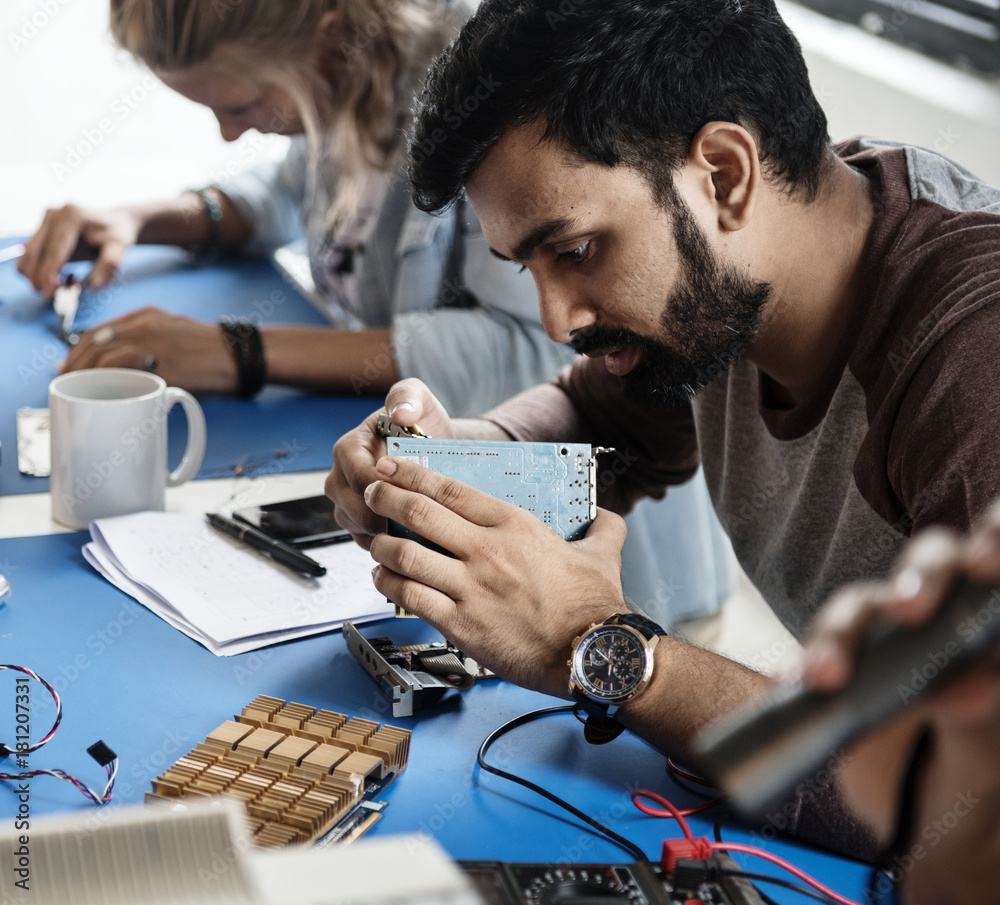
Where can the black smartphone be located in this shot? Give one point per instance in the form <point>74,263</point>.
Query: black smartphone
<point>301,523</point>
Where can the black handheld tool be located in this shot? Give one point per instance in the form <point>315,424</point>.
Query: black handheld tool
<point>759,755</point>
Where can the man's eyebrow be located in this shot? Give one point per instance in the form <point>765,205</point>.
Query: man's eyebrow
<point>541,233</point>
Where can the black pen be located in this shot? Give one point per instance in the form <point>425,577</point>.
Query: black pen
<point>286,555</point>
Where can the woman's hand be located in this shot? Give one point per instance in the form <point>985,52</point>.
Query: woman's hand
<point>71,233</point>
<point>184,352</point>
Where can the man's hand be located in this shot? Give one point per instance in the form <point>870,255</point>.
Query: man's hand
<point>955,834</point>
<point>408,403</point>
<point>923,576</point>
<point>515,594</point>
<point>184,352</point>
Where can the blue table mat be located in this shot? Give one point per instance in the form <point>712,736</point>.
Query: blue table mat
<point>282,429</point>
<point>152,694</point>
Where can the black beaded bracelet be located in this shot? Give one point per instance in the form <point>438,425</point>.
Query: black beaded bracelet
<point>212,246</point>
<point>248,350</point>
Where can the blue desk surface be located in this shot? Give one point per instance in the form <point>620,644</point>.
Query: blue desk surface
<point>240,432</point>
<point>151,693</point>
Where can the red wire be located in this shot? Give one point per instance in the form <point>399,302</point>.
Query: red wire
<point>782,863</point>
<point>688,775</point>
<point>683,812</point>
<point>678,815</point>
<point>671,811</point>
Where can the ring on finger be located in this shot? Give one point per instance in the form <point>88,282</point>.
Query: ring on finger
<point>149,363</point>
<point>105,336</point>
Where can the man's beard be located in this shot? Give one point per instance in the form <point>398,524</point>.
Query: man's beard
<point>710,317</point>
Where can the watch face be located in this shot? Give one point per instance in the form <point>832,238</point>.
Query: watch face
<point>611,662</point>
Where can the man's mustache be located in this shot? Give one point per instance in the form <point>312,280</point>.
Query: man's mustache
<point>597,339</point>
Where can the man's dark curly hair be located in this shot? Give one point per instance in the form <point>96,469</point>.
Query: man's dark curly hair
<point>618,81</point>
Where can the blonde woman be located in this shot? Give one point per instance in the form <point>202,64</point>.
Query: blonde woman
<point>338,76</point>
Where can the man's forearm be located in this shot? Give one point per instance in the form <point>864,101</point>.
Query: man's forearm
<point>691,688</point>
<point>694,687</point>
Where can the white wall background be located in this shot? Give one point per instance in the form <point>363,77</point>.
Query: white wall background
<point>869,86</point>
<point>82,122</point>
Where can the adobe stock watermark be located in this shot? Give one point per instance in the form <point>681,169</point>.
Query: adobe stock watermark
<point>453,117</point>
<point>621,460</point>
<point>45,357</point>
<point>931,835</point>
<point>967,631</point>
<point>96,643</point>
<point>566,10</point>
<point>384,359</point>
<point>224,860</point>
<point>78,151</point>
<point>248,148</point>
<point>815,787</point>
<point>129,443</point>
<point>891,27</point>
<point>174,744</point>
<point>364,34</point>
<point>33,24</point>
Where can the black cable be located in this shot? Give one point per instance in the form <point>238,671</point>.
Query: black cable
<point>906,811</point>
<point>717,826</point>
<point>689,786</point>
<point>789,884</point>
<point>621,841</point>
<point>778,881</point>
<point>763,896</point>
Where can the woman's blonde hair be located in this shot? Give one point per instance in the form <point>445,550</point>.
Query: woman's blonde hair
<point>353,90</point>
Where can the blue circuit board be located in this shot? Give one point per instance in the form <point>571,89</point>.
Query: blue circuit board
<point>554,481</point>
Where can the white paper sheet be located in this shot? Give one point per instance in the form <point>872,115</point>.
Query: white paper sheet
<point>223,594</point>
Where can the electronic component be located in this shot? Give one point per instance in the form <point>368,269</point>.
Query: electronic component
<point>34,455</point>
<point>21,748</point>
<point>302,523</point>
<point>413,676</point>
<point>758,755</point>
<point>201,853</point>
<point>66,301</point>
<point>557,482</point>
<point>641,883</point>
<point>101,753</point>
<point>305,775</point>
<point>385,428</point>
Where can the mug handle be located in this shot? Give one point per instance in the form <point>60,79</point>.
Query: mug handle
<point>195,451</point>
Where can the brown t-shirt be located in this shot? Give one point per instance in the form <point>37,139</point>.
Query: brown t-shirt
<point>905,432</point>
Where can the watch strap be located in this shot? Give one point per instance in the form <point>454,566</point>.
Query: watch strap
<point>598,727</point>
<point>641,624</point>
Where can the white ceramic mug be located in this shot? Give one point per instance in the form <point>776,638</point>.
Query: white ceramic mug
<point>109,443</point>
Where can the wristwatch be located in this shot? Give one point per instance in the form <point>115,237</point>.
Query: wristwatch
<point>611,663</point>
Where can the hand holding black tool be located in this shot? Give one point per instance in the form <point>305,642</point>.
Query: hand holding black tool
<point>278,551</point>
<point>758,755</point>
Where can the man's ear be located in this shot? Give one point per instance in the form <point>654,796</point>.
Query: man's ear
<point>724,155</point>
